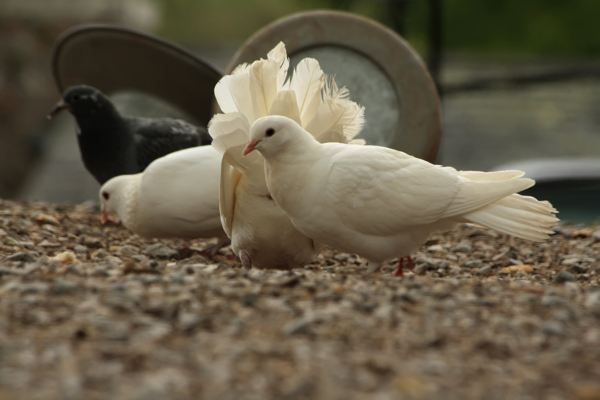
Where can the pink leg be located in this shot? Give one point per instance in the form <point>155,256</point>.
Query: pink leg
<point>411,265</point>
<point>246,261</point>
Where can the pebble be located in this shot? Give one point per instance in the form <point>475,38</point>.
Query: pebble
<point>464,246</point>
<point>554,328</point>
<point>484,271</point>
<point>123,323</point>
<point>161,251</point>
<point>20,256</point>
<point>564,276</point>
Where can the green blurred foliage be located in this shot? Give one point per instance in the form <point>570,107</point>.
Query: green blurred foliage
<point>548,27</point>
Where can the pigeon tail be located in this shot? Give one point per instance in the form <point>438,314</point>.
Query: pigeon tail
<point>517,215</point>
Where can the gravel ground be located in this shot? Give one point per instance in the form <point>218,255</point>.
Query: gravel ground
<point>92,311</point>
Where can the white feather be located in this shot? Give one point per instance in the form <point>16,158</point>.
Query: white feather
<point>306,83</point>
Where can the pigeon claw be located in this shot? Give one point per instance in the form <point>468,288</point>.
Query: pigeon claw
<point>411,265</point>
<point>246,261</point>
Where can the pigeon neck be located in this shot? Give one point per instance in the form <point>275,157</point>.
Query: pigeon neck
<point>102,118</point>
<point>127,204</point>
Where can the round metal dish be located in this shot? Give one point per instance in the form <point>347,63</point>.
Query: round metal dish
<point>381,70</point>
<point>115,59</point>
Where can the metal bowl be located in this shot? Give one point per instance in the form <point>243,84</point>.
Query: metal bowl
<point>115,59</point>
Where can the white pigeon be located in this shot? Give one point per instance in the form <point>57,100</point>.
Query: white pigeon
<point>381,203</point>
<point>176,196</point>
<point>261,234</point>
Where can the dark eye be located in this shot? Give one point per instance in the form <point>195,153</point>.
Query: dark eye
<point>105,195</point>
<point>270,132</point>
<point>75,97</point>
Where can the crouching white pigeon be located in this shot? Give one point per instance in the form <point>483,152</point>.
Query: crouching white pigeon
<point>381,203</point>
<point>261,234</point>
<point>176,196</point>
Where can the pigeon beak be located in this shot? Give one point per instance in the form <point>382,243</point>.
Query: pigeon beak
<point>250,147</point>
<point>61,105</point>
<point>104,217</point>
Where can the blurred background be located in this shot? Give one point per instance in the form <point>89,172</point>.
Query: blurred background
<point>518,80</point>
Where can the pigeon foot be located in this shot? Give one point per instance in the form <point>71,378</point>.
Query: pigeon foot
<point>246,261</point>
<point>411,265</point>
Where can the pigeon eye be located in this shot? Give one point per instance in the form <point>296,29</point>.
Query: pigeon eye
<point>270,132</point>
<point>105,195</point>
<point>76,98</point>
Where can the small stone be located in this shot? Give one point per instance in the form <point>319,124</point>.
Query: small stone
<point>45,243</point>
<point>127,251</point>
<point>298,326</point>
<point>564,276</point>
<point>63,286</point>
<point>435,247</point>
<point>553,328</point>
<point>21,256</point>
<point>513,269</point>
<point>10,271</point>
<point>188,321</point>
<point>162,251</point>
<point>66,257</point>
<point>473,264</point>
<point>421,269</point>
<point>483,271</point>
<point>100,254</point>
<point>465,246</point>
<point>582,233</point>
<point>579,269</point>
<point>80,249</point>
<point>571,261</point>
<point>47,219</point>
<point>139,257</point>
<point>92,242</point>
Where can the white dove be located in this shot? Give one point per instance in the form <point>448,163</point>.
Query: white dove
<point>176,196</point>
<point>261,234</point>
<point>381,203</point>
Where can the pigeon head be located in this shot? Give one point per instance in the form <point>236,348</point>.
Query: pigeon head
<point>114,194</point>
<point>83,101</point>
<point>272,134</point>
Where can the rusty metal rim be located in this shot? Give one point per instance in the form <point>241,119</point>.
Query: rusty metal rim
<point>392,54</point>
<point>138,42</point>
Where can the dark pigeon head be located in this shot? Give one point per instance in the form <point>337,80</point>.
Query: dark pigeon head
<point>83,102</point>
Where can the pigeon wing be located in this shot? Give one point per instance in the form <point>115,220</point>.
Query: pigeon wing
<point>378,191</point>
<point>155,138</point>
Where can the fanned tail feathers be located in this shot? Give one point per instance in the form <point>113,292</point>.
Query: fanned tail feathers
<point>520,216</point>
<point>517,215</point>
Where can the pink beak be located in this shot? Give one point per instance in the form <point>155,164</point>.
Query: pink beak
<point>250,147</point>
<point>104,217</point>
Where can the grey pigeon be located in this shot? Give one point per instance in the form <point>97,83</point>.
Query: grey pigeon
<point>112,144</point>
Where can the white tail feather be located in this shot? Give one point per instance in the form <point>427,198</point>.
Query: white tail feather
<point>279,55</point>
<point>337,109</point>
<point>520,216</point>
<point>307,82</point>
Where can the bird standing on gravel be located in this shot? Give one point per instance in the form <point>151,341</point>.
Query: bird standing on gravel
<point>381,203</point>
<point>261,234</point>
<point>113,145</point>
<point>176,196</point>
